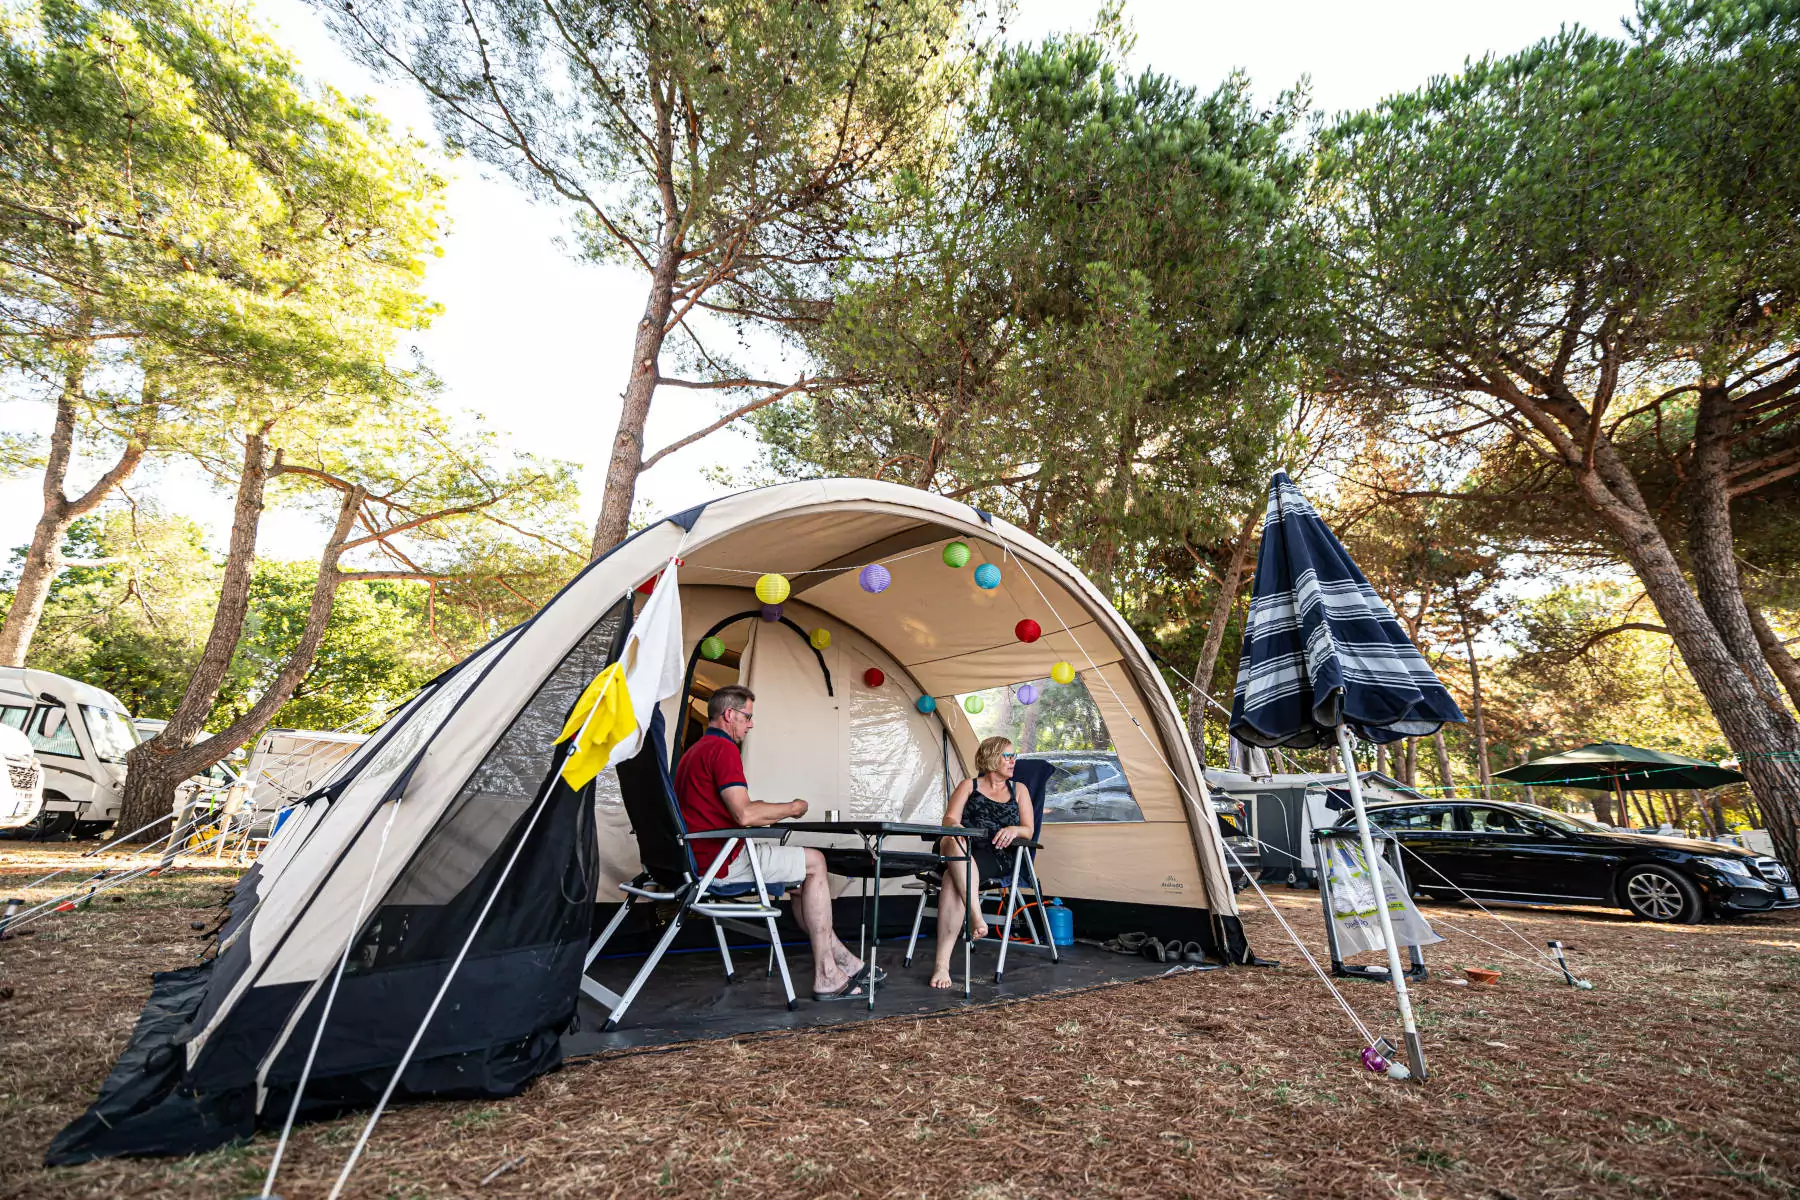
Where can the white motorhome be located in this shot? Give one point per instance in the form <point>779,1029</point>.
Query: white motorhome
<point>22,787</point>
<point>80,734</point>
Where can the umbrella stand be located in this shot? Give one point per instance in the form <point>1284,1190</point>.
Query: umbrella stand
<point>1415,1052</point>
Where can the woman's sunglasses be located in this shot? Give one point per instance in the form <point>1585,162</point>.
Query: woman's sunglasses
<point>1010,756</point>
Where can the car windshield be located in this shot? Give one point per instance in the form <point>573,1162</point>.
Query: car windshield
<point>112,732</point>
<point>1566,822</point>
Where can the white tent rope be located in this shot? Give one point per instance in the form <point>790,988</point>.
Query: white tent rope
<point>443,988</point>
<point>41,880</point>
<point>1167,766</point>
<point>1554,970</point>
<point>50,904</point>
<point>1336,994</point>
<point>287,1125</point>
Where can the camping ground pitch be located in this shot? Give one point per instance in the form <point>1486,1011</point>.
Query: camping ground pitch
<point>1677,1076</point>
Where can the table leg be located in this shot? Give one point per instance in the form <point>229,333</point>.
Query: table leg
<point>875,926</point>
<point>969,902</point>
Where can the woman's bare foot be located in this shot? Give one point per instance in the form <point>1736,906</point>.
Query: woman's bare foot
<point>940,978</point>
<point>981,930</point>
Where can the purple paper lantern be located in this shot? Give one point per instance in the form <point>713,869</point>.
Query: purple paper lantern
<point>1026,694</point>
<point>771,612</point>
<point>874,578</point>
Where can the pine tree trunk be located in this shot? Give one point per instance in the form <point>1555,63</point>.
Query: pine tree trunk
<point>155,768</point>
<point>1216,625</point>
<point>43,557</point>
<point>1412,762</point>
<point>1480,726</point>
<point>1442,751</point>
<point>1711,547</point>
<point>1786,668</point>
<point>1381,759</point>
<point>627,461</point>
<point>1764,737</point>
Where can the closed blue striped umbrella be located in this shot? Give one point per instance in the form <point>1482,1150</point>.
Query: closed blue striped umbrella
<point>1324,658</point>
<point>1320,648</point>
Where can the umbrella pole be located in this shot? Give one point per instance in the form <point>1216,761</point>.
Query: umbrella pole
<point>1415,1052</point>
<point>1619,803</point>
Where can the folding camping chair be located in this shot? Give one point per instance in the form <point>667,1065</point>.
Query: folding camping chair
<point>1035,775</point>
<point>671,876</point>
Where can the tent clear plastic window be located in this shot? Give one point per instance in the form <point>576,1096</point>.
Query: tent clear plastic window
<point>1064,727</point>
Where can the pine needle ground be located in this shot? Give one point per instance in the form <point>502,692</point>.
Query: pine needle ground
<point>1679,1075</point>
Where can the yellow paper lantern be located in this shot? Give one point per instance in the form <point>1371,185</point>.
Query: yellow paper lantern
<point>772,589</point>
<point>1062,672</point>
<point>820,638</point>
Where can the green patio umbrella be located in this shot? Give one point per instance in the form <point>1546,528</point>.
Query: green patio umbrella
<point>1613,767</point>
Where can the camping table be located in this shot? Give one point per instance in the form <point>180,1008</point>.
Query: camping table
<point>874,835</point>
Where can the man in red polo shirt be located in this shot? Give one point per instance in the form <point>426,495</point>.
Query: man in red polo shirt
<point>712,790</point>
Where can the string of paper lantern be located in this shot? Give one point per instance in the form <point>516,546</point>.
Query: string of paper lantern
<point>773,588</point>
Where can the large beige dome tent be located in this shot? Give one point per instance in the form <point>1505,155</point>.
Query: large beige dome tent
<point>412,829</point>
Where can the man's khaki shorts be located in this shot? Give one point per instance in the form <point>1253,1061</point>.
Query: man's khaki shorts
<point>780,864</point>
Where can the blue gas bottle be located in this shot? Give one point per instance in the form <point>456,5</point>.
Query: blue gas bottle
<point>1062,923</point>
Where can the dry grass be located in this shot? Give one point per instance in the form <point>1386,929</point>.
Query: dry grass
<point>1678,1076</point>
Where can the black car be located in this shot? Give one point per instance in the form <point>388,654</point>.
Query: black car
<point>1519,852</point>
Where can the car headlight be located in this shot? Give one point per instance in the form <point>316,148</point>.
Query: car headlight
<point>1728,866</point>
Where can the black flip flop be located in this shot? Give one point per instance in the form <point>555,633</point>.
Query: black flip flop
<point>1193,953</point>
<point>862,974</point>
<point>1155,951</point>
<point>852,990</point>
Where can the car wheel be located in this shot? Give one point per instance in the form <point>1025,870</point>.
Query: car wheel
<point>1659,894</point>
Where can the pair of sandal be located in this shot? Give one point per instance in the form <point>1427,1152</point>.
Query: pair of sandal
<point>1173,951</point>
<point>852,989</point>
<point>1155,949</point>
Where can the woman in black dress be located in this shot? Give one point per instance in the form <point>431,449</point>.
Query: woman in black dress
<point>993,803</point>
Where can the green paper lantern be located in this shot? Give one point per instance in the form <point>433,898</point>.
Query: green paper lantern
<point>956,554</point>
<point>712,649</point>
<point>974,704</point>
<point>820,639</point>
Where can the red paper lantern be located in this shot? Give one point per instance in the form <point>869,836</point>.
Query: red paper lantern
<point>1028,630</point>
<point>873,677</point>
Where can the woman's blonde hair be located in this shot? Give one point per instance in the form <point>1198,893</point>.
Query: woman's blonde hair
<point>987,755</point>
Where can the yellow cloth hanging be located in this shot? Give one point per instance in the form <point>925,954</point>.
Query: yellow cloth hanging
<point>605,709</point>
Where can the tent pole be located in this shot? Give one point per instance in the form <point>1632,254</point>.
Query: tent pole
<point>1415,1052</point>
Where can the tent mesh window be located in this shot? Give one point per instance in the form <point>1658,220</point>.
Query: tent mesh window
<point>464,849</point>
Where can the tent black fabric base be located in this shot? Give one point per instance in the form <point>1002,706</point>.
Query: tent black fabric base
<point>148,1108</point>
<point>688,998</point>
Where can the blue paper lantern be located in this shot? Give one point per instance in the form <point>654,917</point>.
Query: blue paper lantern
<point>926,704</point>
<point>771,612</point>
<point>874,578</point>
<point>1026,694</point>
<point>987,575</point>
